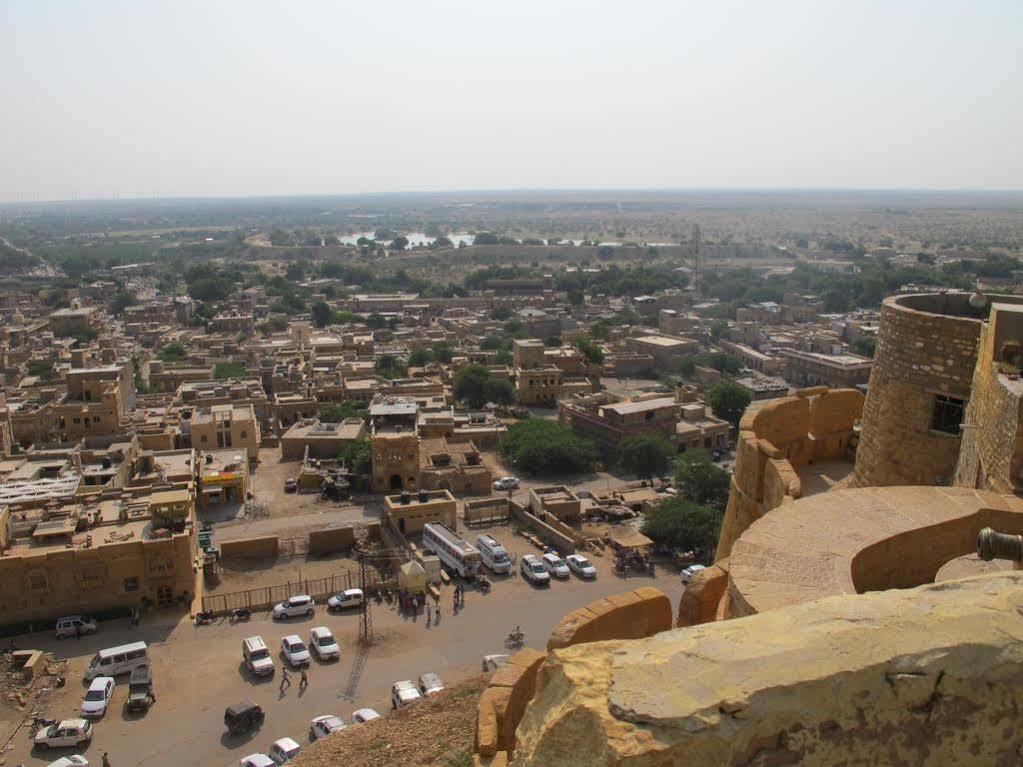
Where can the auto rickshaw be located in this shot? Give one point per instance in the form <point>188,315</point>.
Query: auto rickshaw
<point>243,717</point>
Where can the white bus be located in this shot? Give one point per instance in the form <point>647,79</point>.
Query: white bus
<point>455,553</point>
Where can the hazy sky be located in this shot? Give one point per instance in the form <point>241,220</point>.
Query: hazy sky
<point>138,98</point>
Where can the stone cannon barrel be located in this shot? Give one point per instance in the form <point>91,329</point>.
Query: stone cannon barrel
<point>993,545</point>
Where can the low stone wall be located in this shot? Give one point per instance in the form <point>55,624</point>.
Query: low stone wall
<point>632,615</point>
<point>331,540</point>
<point>928,676</point>
<point>776,437</point>
<point>484,510</point>
<point>250,548</point>
<point>701,599</point>
<point>562,537</point>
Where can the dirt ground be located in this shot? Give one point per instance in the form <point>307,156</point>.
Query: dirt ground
<point>198,670</point>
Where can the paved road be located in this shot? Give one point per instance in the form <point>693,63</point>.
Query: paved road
<point>198,670</point>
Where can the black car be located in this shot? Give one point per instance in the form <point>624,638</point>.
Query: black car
<point>243,717</point>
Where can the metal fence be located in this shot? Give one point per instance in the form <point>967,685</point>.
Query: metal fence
<point>265,597</point>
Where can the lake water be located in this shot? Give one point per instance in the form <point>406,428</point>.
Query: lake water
<point>415,239</point>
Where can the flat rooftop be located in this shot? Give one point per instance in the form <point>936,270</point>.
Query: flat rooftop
<point>663,341</point>
<point>624,408</point>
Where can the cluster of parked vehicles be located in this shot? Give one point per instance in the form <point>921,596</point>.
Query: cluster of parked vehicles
<point>245,716</point>
<point>101,672</point>
<point>407,692</point>
<point>539,570</point>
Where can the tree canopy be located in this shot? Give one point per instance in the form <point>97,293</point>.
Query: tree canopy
<point>701,481</point>
<point>540,446</point>
<point>729,401</point>
<point>646,455</point>
<point>680,523</point>
<point>475,385</point>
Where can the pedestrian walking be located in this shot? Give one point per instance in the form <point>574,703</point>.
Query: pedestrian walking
<point>436,612</point>
<point>285,680</point>
<point>106,759</point>
<point>427,613</point>
<point>415,605</point>
<point>304,681</point>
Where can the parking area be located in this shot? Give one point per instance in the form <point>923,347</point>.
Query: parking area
<point>198,670</point>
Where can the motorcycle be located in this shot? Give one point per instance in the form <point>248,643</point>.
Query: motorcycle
<point>204,617</point>
<point>483,584</point>
<point>515,639</point>
<point>240,614</point>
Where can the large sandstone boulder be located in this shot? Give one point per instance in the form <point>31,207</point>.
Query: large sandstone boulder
<point>925,676</point>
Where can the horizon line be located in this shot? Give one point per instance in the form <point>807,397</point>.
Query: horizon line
<point>516,190</point>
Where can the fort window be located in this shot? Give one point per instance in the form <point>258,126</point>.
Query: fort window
<point>131,584</point>
<point>947,415</point>
<point>38,582</point>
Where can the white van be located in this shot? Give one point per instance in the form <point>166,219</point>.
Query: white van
<point>117,660</point>
<point>257,656</point>
<point>493,554</point>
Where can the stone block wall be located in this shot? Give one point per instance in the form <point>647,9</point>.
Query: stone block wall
<point>926,346</point>
<point>776,437</point>
<point>926,676</point>
<point>331,540</point>
<point>250,548</point>
<point>992,443</point>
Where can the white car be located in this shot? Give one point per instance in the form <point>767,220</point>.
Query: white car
<point>494,662</point>
<point>689,572</point>
<point>533,570</point>
<point>324,644</point>
<point>294,650</point>
<point>75,760</point>
<point>294,607</point>
<point>430,684</point>
<point>257,760</point>
<point>581,566</point>
<point>347,598</point>
<point>284,750</point>
<point>68,733</point>
<point>363,715</point>
<point>98,696</point>
<point>556,565</point>
<point>324,725</point>
<point>404,693</point>
<point>506,483</point>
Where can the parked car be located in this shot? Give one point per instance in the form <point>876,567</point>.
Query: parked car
<point>290,485</point>
<point>556,565</point>
<point>363,715</point>
<point>430,684</point>
<point>494,662</point>
<point>257,656</point>
<point>140,690</point>
<point>324,644</point>
<point>347,598</point>
<point>506,483</point>
<point>294,651</point>
<point>404,693</point>
<point>581,566</point>
<point>295,607</point>
<point>75,625</point>
<point>74,760</point>
<point>98,696</point>
<point>533,570</point>
<point>284,750</point>
<point>690,571</point>
<point>257,760</point>
<point>243,717</point>
<point>67,733</point>
<point>324,725</point>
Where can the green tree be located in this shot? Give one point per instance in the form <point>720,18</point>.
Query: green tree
<point>389,366</point>
<point>540,446</point>
<point>173,352</point>
<point>420,357</point>
<point>593,353</point>
<point>836,301</point>
<point>865,345</point>
<point>470,385</point>
<point>500,313</point>
<point>321,314</point>
<point>337,412</point>
<point>226,369</point>
<point>358,456</point>
<point>646,455</point>
<point>702,482</point>
<point>122,300</point>
<point>295,271</point>
<point>680,523</point>
<point>443,351</point>
<point>729,401</point>
<point>575,297</point>
<point>687,367</point>
<point>499,390</point>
